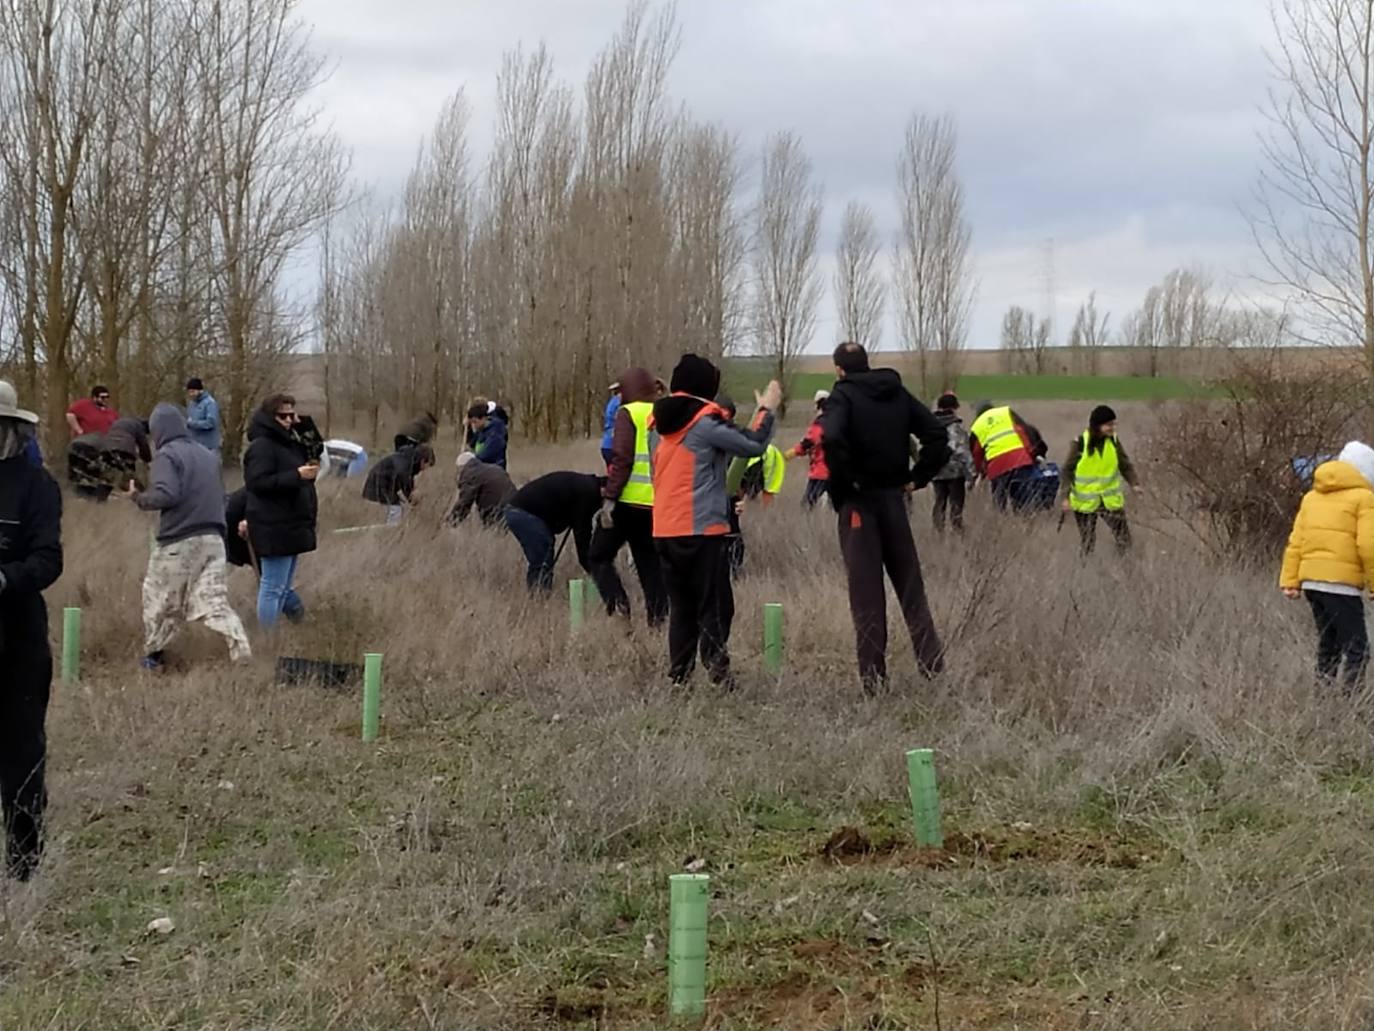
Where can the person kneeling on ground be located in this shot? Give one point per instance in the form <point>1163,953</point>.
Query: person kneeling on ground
<point>488,487</point>
<point>691,512</point>
<point>30,562</point>
<point>547,506</point>
<point>186,574</point>
<point>1330,559</point>
<point>1096,466</point>
<point>869,426</point>
<point>391,482</point>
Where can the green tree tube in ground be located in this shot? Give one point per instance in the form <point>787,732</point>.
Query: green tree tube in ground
<point>925,797</point>
<point>772,637</point>
<point>372,695</point>
<point>71,645</point>
<point>689,893</point>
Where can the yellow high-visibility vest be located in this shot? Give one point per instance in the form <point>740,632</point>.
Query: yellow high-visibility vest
<point>774,469</point>
<point>1097,480</point>
<point>996,433</point>
<point>639,488</point>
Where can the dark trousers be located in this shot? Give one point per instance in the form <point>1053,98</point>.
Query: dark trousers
<point>536,540</point>
<point>701,606</point>
<point>949,495</point>
<point>27,662</point>
<point>1341,634</point>
<point>815,491</point>
<point>634,526</point>
<point>1015,490</point>
<point>876,536</point>
<point>1116,522</point>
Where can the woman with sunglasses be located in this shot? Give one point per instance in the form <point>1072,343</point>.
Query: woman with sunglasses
<point>281,505</point>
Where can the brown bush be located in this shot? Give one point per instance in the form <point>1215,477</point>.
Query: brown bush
<point>1227,465</point>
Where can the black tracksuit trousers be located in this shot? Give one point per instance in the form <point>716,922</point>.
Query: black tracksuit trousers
<point>27,662</point>
<point>701,606</point>
<point>875,535</point>
<point>631,525</point>
<point>1341,634</point>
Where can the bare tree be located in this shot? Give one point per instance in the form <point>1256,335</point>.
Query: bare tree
<point>786,285</point>
<point>858,284</point>
<point>1025,341</point>
<point>54,59</point>
<point>1089,334</point>
<point>1177,315</point>
<point>272,176</point>
<point>1315,196</point>
<point>931,261</point>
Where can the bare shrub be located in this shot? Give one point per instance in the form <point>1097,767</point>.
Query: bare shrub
<point>1228,466</point>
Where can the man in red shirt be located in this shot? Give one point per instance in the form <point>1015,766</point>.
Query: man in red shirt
<point>91,414</point>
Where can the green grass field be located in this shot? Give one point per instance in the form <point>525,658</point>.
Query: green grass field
<point>743,376</point>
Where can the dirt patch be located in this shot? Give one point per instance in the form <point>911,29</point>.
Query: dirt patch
<point>851,845</point>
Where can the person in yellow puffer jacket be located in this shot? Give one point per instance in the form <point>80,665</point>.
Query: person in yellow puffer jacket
<point>1330,560</point>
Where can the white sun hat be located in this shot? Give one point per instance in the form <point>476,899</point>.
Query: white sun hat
<point>9,405</point>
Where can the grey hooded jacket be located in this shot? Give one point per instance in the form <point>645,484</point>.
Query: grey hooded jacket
<point>185,486</point>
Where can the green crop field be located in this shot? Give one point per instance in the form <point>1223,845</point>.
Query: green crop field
<point>743,376</point>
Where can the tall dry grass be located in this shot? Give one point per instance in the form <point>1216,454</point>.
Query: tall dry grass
<point>497,860</point>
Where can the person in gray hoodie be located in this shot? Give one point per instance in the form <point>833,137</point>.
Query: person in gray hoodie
<point>185,581</point>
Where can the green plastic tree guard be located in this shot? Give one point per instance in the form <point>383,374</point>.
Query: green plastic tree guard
<point>689,893</point>
<point>577,603</point>
<point>593,596</point>
<point>772,637</point>
<point>925,797</point>
<point>372,695</point>
<point>71,645</point>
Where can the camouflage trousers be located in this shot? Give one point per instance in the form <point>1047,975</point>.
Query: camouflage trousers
<point>185,583</point>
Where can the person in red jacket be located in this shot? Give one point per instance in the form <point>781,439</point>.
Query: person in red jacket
<point>818,476</point>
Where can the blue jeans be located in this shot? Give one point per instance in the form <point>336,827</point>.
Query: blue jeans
<point>1015,489</point>
<point>276,597</point>
<point>536,540</point>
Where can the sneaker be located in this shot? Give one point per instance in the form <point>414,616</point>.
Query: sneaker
<point>151,663</point>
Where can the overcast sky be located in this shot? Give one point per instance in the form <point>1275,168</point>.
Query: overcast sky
<point>1123,130</point>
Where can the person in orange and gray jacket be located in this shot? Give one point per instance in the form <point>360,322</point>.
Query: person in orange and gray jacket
<point>1330,559</point>
<point>691,512</point>
<point>627,513</point>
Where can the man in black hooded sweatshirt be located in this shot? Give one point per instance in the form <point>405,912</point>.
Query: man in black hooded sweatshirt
<point>867,431</point>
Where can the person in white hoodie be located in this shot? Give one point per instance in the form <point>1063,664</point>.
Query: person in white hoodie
<point>1330,561</point>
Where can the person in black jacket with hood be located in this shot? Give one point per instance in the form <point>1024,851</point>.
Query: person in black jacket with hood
<point>30,561</point>
<point>867,431</point>
<point>282,508</point>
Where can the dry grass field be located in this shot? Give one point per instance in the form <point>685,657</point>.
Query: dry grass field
<point>1155,818</point>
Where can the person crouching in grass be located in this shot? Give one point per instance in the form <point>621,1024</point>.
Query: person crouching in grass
<point>1330,560</point>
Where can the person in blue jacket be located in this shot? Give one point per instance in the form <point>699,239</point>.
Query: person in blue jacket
<point>489,435</point>
<point>608,423</point>
<point>202,416</point>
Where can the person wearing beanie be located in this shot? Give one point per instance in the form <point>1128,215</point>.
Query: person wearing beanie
<point>869,427</point>
<point>202,416</point>
<point>1006,450</point>
<point>1092,481</point>
<point>818,474</point>
<point>691,511</point>
<point>30,563</point>
<point>488,488</point>
<point>951,483</point>
<point>488,434</point>
<point>627,511</point>
<point>1330,560</point>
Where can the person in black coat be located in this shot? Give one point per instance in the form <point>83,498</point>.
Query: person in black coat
<point>547,506</point>
<point>282,509</point>
<point>30,561</point>
<point>392,480</point>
